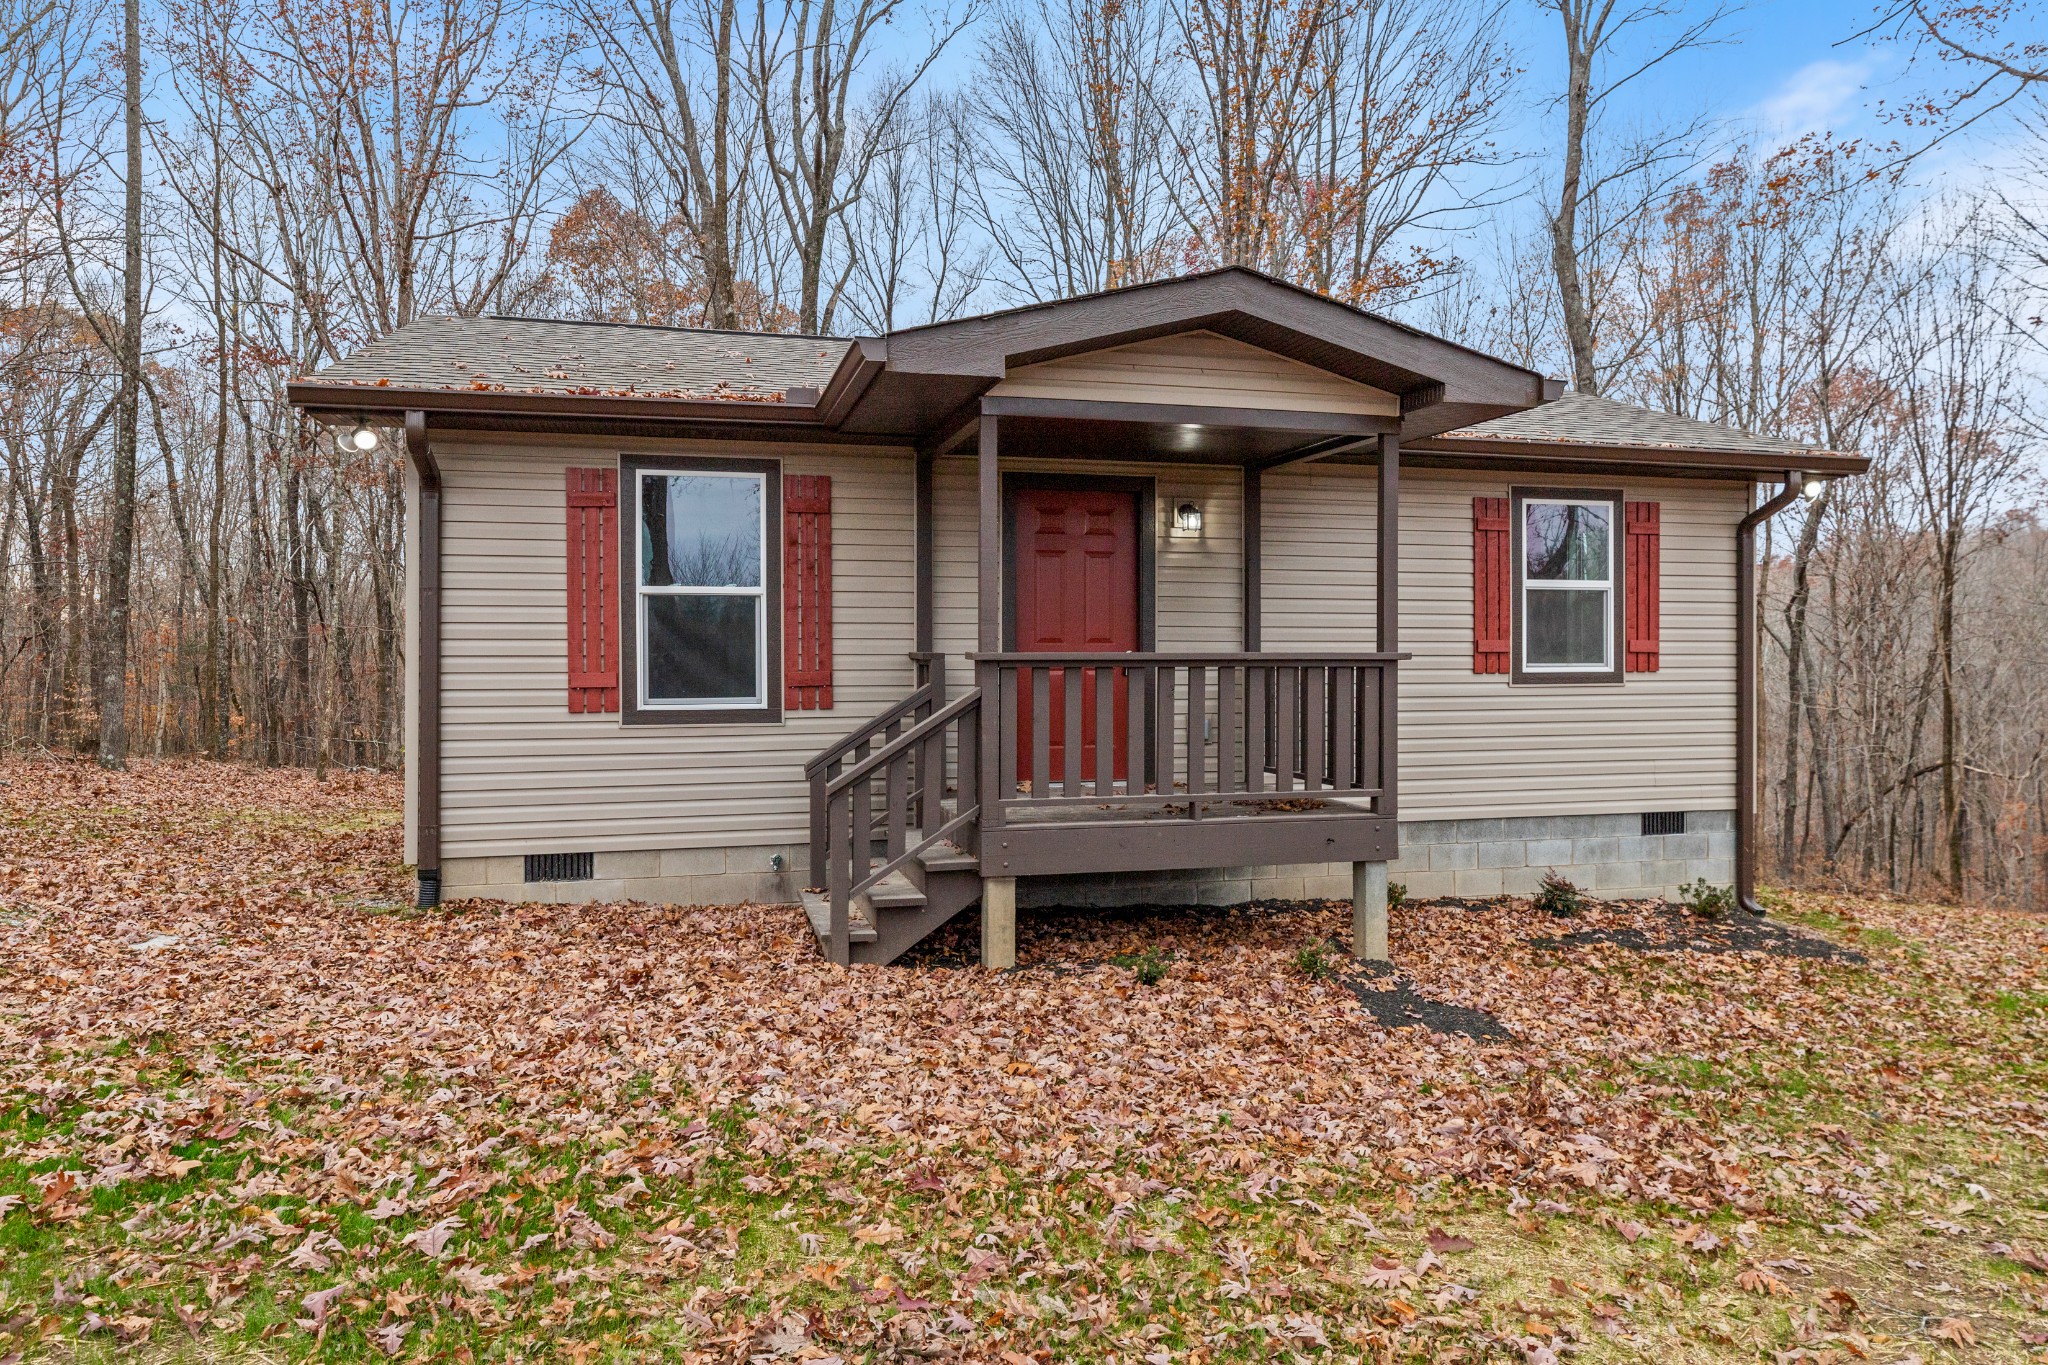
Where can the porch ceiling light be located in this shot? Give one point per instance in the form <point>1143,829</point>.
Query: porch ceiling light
<point>1187,518</point>
<point>361,438</point>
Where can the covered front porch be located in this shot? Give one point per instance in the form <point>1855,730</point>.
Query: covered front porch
<point>1062,738</point>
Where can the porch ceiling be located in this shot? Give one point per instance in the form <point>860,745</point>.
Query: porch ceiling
<point>1167,441</point>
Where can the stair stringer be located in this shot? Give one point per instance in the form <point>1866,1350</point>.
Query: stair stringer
<point>898,931</point>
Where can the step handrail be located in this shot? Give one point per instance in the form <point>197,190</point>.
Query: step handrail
<point>867,731</point>
<point>916,734</point>
<point>912,769</point>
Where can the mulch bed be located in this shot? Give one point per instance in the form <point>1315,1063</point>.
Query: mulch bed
<point>1672,930</point>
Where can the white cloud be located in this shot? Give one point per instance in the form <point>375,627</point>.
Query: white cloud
<point>1822,96</point>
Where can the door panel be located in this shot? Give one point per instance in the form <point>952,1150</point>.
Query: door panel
<point>1076,572</point>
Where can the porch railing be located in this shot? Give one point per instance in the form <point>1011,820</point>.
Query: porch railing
<point>1195,736</point>
<point>830,762</point>
<point>885,809</point>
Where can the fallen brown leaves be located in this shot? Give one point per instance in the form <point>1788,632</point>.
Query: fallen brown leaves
<point>245,1093</point>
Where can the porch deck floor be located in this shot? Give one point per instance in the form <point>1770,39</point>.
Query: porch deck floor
<point>1205,807</point>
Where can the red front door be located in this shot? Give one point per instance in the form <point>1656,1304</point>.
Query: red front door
<point>1076,576</point>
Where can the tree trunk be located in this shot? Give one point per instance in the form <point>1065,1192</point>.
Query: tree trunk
<point>1564,223</point>
<point>113,662</point>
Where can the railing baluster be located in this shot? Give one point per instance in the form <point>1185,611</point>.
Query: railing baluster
<point>1162,730</point>
<point>967,763</point>
<point>1004,760</point>
<point>1105,729</point>
<point>1197,733</point>
<point>863,824</point>
<point>1041,733</point>
<point>839,876</point>
<point>1372,679</point>
<point>1070,732</point>
<point>1258,684</point>
<point>897,785</point>
<point>931,783</point>
<point>1344,710</point>
<point>1137,687</point>
<point>1287,690</point>
<point>1226,729</point>
<point>1314,767</point>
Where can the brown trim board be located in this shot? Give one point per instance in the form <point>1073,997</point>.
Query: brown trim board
<point>1745,689</point>
<point>1144,492</point>
<point>427,761</point>
<point>1617,638</point>
<point>631,712</point>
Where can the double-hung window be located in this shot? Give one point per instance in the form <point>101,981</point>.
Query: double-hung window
<point>1567,609</point>
<point>704,572</point>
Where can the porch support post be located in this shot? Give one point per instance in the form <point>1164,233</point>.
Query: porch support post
<point>989,609</point>
<point>1254,570</point>
<point>1389,631</point>
<point>1368,911</point>
<point>922,551</point>
<point>425,760</point>
<point>999,923</point>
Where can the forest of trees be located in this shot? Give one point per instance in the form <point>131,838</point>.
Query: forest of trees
<point>201,199</point>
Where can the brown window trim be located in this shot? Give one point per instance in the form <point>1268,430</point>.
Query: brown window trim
<point>1142,488</point>
<point>631,712</point>
<point>1617,570</point>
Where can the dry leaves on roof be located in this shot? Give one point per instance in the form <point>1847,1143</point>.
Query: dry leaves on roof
<point>249,1097</point>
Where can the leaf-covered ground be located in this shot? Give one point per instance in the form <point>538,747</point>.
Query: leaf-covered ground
<point>251,1105</point>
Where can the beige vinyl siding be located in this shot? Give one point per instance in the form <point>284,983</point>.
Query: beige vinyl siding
<point>1200,578</point>
<point>520,774</point>
<point>523,775</point>
<point>1199,369</point>
<point>1474,745</point>
<point>1319,553</point>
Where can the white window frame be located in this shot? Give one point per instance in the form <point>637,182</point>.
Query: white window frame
<point>759,592</point>
<point>1609,587</point>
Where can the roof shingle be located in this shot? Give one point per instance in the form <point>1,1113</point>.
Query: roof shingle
<point>539,355</point>
<point>1585,419</point>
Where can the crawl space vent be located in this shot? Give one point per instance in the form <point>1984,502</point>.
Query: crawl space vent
<point>1663,822</point>
<point>560,867</point>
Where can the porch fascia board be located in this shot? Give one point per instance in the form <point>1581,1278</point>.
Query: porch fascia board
<point>1033,850</point>
<point>1452,452</point>
<point>1189,414</point>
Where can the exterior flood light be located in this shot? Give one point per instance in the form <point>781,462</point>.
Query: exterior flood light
<point>1812,488</point>
<point>1187,518</point>
<point>362,438</point>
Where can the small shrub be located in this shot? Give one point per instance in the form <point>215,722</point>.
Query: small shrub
<point>1397,895</point>
<point>1313,961</point>
<point>1706,900</point>
<point>1149,967</point>
<point>1558,896</point>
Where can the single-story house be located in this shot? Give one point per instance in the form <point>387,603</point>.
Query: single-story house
<point>1211,588</point>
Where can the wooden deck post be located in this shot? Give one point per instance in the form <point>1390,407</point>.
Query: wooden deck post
<point>1368,911</point>
<point>1253,557</point>
<point>999,923</point>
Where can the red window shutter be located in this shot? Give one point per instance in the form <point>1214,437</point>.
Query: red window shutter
<point>807,592</point>
<point>593,516</point>
<point>1643,585</point>
<point>1491,585</point>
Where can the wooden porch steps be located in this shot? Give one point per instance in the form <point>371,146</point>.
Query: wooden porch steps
<point>818,910</point>
<point>903,907</point>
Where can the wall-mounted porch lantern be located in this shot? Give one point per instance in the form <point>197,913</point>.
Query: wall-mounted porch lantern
<point>1187,519</point>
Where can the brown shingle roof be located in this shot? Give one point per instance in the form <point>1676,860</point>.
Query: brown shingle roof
<point>543,356</point>
<point>1583,419</point>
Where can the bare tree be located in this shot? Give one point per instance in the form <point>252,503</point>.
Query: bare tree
<point>1418,97</point>
<point>113,679</point>
<point>817,144</point>
<point>1073,99</point>
<point>1601,60</point>
<point>675,72</point>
